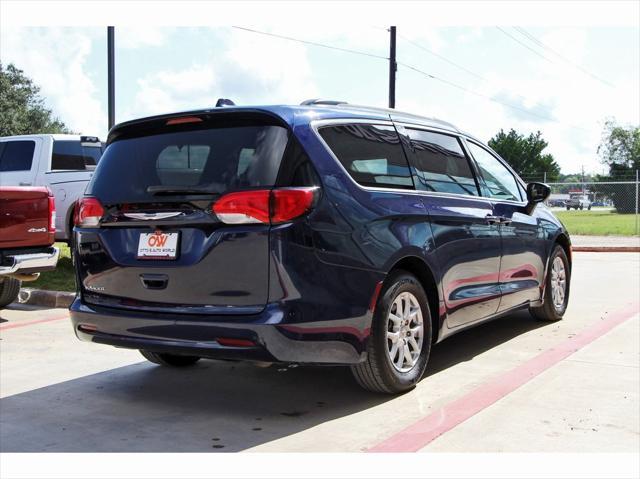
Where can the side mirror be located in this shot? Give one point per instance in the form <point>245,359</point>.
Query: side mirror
<point>536,193</point>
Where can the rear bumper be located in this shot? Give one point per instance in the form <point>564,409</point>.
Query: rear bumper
<point>328,342</point>
<point>31,262</point>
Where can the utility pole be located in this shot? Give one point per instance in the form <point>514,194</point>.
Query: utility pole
<point>393,67</point>
<point>110,77</point>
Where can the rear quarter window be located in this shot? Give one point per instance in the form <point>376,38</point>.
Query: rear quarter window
<point>16,155</point>
<point>73,155</point>
<point>371,154</point>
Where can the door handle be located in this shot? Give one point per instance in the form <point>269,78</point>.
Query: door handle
<point>22,183</point>
<point>493,220</point>
<point>505,221</point>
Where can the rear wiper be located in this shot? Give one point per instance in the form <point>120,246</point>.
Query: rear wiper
<point>180,190</point>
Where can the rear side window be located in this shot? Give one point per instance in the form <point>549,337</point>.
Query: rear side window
<point>372,154</point>
<point>73,155</point>
<point>441,163</point>
<point>209,159</point>
<point>16,155</point>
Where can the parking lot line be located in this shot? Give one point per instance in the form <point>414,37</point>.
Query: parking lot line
<point>30,323</point>
<point>421,433</point>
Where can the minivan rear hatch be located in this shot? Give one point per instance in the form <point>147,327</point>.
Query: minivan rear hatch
<point>157,243</point>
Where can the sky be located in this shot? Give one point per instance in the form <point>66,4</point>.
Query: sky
<point>487,78</point>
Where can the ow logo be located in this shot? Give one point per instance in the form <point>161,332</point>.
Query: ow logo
<point>157,240</point>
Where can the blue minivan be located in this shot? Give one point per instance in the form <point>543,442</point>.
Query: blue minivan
<point>321,233</point>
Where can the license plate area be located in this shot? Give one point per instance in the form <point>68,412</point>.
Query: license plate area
<point>158,245</point>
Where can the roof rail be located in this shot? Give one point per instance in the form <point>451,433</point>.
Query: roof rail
<point>319,101</point>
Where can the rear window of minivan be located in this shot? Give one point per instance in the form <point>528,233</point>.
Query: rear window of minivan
<point>215,158</point>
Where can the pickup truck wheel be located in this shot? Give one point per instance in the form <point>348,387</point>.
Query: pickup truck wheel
<point>400,342</point>
<point>9,290</point>
<point>166,359</point>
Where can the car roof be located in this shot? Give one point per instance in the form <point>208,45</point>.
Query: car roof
<point>300,114</point>
<point>55,136</point>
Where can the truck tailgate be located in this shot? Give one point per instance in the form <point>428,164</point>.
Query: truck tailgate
<point>25,217</point>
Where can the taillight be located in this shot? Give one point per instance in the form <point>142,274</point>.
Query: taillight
<point>88,212</point>
<point>264,206</point>
<point>52,214</point>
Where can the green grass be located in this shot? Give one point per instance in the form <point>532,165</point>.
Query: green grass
<point>60,279</point>
<point>598,223</point>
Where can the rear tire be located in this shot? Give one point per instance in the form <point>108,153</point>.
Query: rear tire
<point>9,290</point>
<point>172,360</point>
<point>400,342</point>
<point>555,306</point>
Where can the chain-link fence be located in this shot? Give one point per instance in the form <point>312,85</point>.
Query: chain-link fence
<point>597,207</point>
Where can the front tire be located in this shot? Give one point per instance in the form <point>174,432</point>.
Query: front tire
<point>9,290</point>
<point>400,342</point>
<point>557,285</point>
<point>172,360</point>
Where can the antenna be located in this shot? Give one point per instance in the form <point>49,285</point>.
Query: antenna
<point>224,102</point>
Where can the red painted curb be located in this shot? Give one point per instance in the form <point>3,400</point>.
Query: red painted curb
<point>606,249</point>
<point>29,323</point>
<point>418,435</point>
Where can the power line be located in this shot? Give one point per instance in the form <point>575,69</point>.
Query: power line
<point>460,87</point>
<point>524,45</point>
<point>315,44</point>
<point>521,97</point>
<point>444,59</point>
<point>522,31</point>
<point>428,75</point>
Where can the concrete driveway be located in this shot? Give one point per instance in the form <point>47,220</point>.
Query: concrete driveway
<point>511,385</point>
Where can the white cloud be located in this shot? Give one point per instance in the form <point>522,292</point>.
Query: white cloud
<point>56,60</point>
<point>249,70</point>
<point>142,36</point>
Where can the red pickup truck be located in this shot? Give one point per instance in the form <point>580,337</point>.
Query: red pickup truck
<point>27,229</point>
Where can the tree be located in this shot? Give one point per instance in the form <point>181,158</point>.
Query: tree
<point>22,109</point>
<point>524,154</point>
<point>620,150</point>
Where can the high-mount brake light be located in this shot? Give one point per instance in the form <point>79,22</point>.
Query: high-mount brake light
<point>182,120</point>
<point>88,212</point>
<point>264,206</point>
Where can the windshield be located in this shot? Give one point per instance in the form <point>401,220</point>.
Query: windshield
<point>211,160</point>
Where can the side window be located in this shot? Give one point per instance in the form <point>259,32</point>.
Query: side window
<point>441,163</point>
<point>16,155</point>
<point>73,155</point>
<point>296,168</point>
<point>500,183</point>
<point>372,154</point>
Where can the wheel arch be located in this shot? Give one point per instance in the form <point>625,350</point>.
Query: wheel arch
<point>563,240</point>
<point>421,270</point>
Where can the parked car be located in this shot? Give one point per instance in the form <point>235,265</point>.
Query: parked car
<point>64,163</point>
<point>578,202</point>
<point>27,227</point>
<point>319,233</point>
